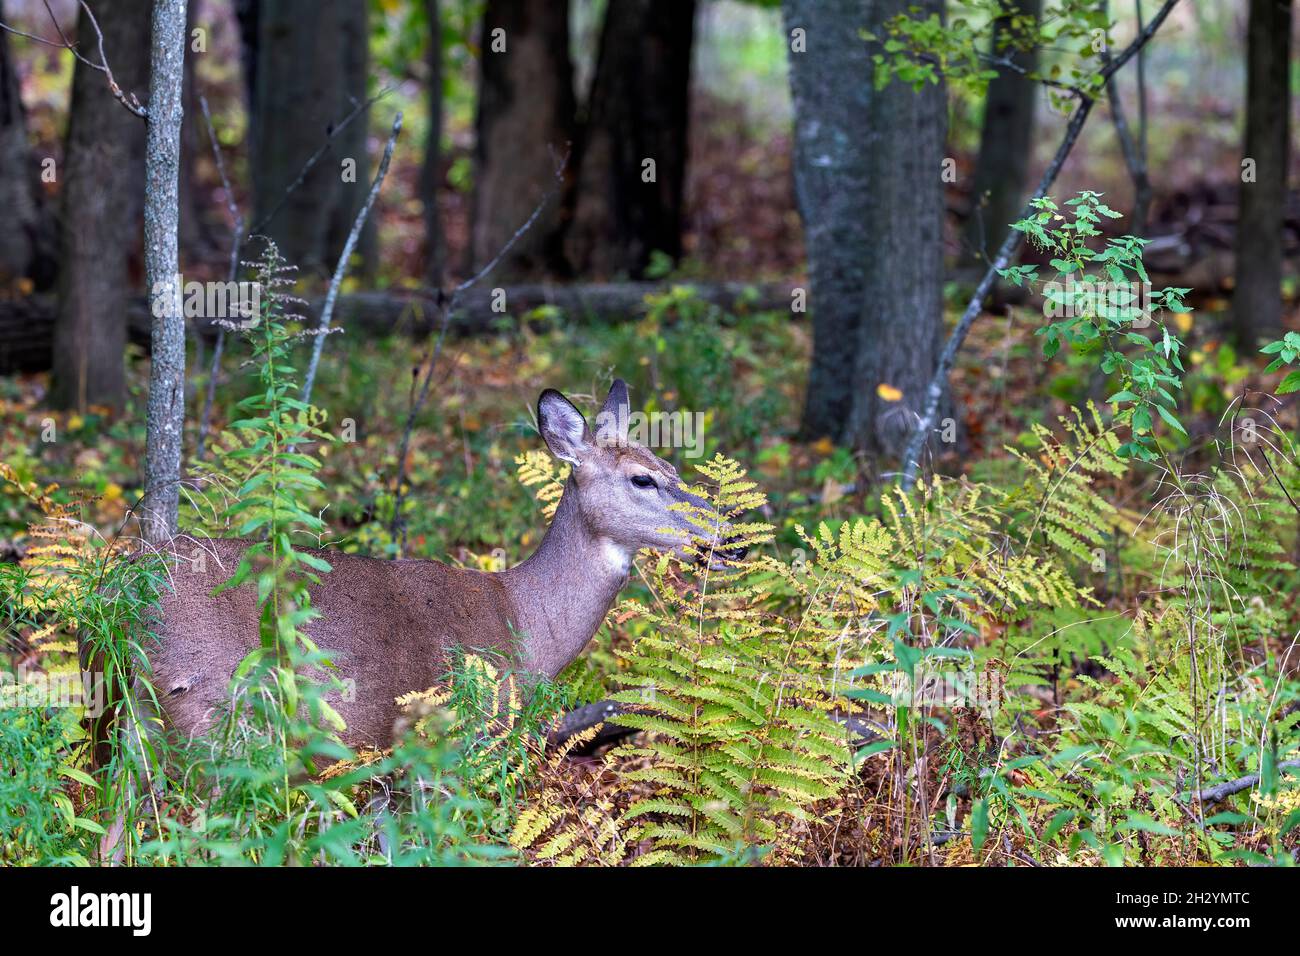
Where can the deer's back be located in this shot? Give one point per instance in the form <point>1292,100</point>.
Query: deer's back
<point>387,625</point>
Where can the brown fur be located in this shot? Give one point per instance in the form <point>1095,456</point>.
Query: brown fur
<point>389,625</point>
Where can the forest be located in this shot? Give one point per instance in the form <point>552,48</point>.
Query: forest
<point>623,433</point>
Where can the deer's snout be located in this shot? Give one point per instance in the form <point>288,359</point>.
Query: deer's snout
<point>727,547</point>
<point>726,551</point>
<point>733,550</point>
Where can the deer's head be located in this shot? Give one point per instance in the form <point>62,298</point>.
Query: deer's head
<point>626,495</point>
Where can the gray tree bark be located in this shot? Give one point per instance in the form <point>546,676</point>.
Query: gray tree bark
<point>524,125</point>
<point>166,414</point>
<point>1257,299</point>
<point>639,110</point>
<point>831,85</point>
<point>1001,181</point>
<point>901,329</point>
<point>307,68</point>
<point>99,212</point>
<point>25,241</point>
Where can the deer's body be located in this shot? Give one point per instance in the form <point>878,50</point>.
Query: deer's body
<point>389,625</point>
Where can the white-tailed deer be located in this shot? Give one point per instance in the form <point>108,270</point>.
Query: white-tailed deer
<point>388,625</point>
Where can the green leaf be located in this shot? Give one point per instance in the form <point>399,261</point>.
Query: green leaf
<point>1170,420</point>
<point>979,824</point>
<point>1289,384</point>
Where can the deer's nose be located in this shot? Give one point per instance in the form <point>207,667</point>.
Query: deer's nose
<point>733,549</point>
<point>726,550</point>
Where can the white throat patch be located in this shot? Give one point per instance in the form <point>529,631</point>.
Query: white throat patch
<point>616,558</point>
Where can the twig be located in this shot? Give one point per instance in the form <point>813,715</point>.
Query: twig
<point>341,268</point>
<point>934,391</point>
<point>128,100</point>
<point>447,305</point>
<point>236,242</point>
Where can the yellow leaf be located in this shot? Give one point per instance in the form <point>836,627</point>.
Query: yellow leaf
<point>1184,321</point>
<point>888,392</point>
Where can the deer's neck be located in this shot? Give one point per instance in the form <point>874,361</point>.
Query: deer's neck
<point>562,593</point>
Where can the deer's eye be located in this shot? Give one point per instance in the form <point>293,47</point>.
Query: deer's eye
<point>643,481</point>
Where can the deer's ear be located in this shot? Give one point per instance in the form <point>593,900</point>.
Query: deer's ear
<point>563,428</point>
<point>612,419</point>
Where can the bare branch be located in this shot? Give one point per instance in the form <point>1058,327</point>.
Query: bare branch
<point>342,267</point>
<point>1221,791</point>
<point>128,100</point>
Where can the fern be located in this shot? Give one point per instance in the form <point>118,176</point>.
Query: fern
<point>1058,489</point>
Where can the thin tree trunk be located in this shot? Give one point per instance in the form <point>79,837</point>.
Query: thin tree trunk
<point>1257,300</point>
<point>1006,139</point>
<point>901,328</point>
<point>431,172</point>
<point>524,126</point>
<point>166,417</point>
<point>638,113</point>
<point>99,224</point>
<point>831,85</point>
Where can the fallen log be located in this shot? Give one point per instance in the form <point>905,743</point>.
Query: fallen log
<point>27,324</point>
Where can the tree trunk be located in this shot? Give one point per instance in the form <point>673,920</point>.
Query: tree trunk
<point>1257,300</point>
<point>25,242</point>
<point>524,125</point>
<point>1006,141</point>
<point>315,78</point>
<point>831,86</point>
<point>166,417</point>
<point>248,16</point>
<point>353,142</point>
<point>98,211</point>
<point>431,172</point>
<point>901,331</point>
<point>638,113</point>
